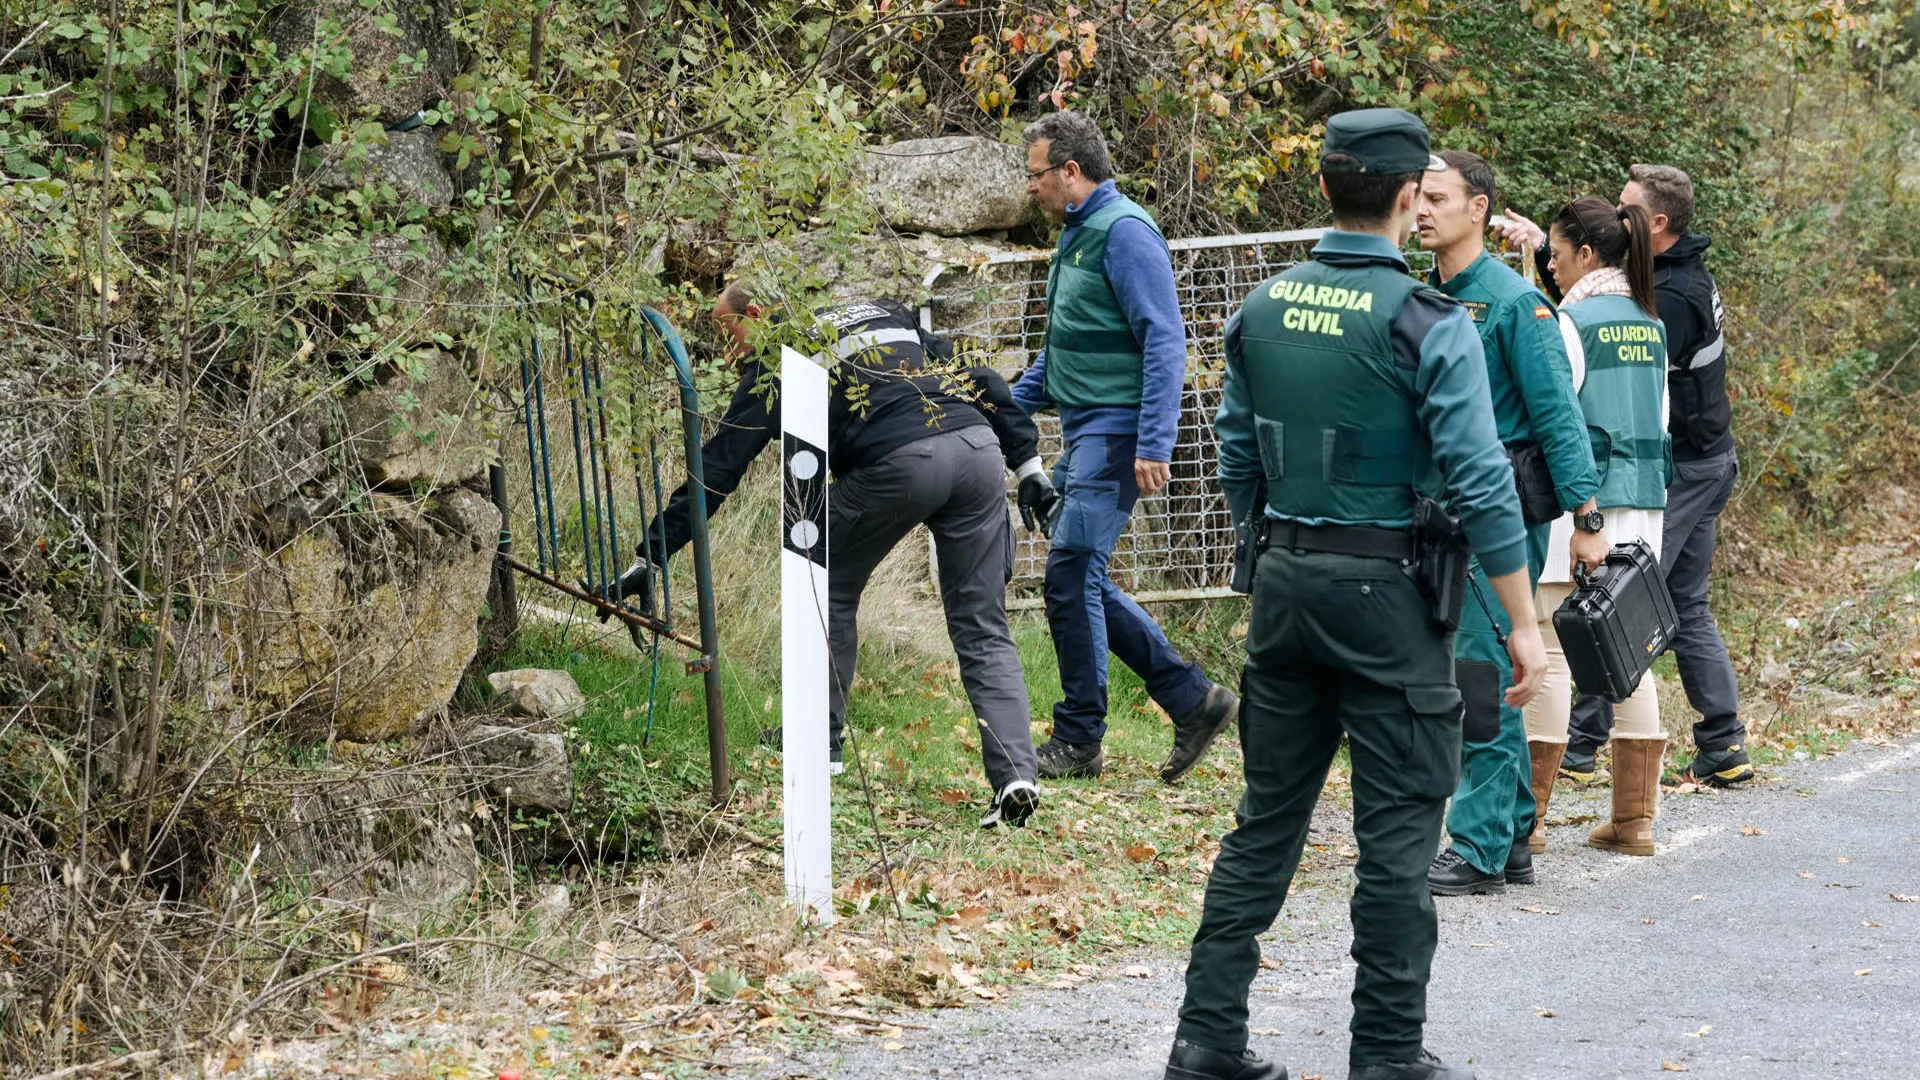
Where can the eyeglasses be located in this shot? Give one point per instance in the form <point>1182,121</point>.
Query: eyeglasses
<point>1032,176</point>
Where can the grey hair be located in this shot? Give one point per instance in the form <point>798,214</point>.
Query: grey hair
<point>1072,137</point>
<point>1669,191</point>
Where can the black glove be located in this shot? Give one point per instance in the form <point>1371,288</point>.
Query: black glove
<point>635,588</point>
<point>1039,503</point>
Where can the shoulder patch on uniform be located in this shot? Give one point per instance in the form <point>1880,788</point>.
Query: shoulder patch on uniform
<point>1542,311</point>
<point>1476,310</point>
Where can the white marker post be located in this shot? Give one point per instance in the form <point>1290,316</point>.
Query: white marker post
<point>805,664</point>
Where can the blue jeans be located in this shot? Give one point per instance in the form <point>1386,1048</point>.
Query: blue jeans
<point>1086,611</point>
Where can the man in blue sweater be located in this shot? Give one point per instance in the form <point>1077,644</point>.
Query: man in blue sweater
<point>1114,363</point>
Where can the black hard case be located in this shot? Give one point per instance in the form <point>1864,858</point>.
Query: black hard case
<point>1617,620</point>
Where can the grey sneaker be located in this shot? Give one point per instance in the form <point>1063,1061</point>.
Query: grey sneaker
<point>1065,760</point>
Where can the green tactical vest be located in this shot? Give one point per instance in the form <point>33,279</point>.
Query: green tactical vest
<point>1092,356</point>
<point>1626,378</point>
<point>1340,437</point>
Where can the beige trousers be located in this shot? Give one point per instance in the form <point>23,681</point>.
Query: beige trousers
<point>1550,711</point>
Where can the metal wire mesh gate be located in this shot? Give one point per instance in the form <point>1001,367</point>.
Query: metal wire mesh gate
<point>1179,544</point>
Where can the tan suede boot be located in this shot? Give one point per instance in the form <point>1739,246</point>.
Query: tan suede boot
<point>1636,794</point>
<point>1544,758</point>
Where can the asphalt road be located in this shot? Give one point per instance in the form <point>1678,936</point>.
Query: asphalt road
<point>1762,941</point>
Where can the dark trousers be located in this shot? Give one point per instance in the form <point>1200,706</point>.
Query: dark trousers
<point>1336,644</point>
<point>1699,492</point>
<point>956,484</point>
<point>1086,611</point>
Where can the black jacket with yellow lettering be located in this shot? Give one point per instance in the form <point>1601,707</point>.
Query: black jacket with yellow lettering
<point>892,384</point>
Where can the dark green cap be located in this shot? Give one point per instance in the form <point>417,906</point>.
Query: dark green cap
<point>1379,142</point>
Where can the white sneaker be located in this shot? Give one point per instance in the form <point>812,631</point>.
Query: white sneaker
<point>1014,804</point>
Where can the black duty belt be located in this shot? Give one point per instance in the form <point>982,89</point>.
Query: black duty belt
<point>1362,540</point>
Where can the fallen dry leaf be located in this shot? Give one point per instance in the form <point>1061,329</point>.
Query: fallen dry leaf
<point>1806,873</point>
<point>1702,1033</point>
<point>1270,963</point>
<point>1843,859</point>
<point>972,917</point>
<point>1671,1066</point>
<point>1547,1014</point>
<point>952,796</point>
<point>1902,898</point>
<point>1269,1032</point>
<point>1136,971</point>
<point>1864,971</point>
<point>1748,830</point>
<point>1869,924</point>
<point>893,1046</point>
<point>1141,852</point>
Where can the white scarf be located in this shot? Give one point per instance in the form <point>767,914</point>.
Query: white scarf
<point>1606,281</point>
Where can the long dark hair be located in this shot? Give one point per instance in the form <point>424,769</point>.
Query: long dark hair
<point>1622,238</point>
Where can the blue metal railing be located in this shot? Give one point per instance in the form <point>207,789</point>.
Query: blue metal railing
<point>583,385</point>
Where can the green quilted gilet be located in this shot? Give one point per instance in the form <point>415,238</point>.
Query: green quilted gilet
<point>1092,355</point>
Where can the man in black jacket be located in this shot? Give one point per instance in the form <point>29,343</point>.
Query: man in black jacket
<point>911,439</point>
<point>1699,418</point>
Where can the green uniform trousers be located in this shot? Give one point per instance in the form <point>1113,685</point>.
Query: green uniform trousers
<point>1336,644</point>
<point>1494,802</point>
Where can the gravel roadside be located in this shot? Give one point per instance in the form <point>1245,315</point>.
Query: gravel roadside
<point>1765,940</point>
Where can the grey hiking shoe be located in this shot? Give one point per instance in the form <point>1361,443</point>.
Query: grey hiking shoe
<point>1065,760</point>
<point>1718,768</point>
<point>1195,730</point>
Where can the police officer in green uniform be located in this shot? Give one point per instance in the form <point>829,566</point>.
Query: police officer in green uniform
<point>1540,422</point>
<point>1351,392</point>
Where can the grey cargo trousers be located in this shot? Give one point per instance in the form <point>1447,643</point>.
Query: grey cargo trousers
<point>956,484</point>
<point>1696,496</point>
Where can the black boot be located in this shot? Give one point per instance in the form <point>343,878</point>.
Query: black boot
<point>1195,729</point>
<point>1520,862</point>
<point>1427,1068</point>
<point>1066,760</point>
<point>1190,1062</point>
<point>1451,875</point>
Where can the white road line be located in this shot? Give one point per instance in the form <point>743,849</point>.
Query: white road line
<point>1681,839</point>
<point>1881,765</point>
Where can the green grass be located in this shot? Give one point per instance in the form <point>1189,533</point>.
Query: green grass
<point>1108,863</point>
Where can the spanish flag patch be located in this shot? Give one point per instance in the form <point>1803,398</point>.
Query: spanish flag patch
<point>1543,312</point>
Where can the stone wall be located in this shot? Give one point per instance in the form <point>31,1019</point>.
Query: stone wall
<point>355,610</point>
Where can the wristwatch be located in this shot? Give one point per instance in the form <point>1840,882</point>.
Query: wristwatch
<point>1592,521</point>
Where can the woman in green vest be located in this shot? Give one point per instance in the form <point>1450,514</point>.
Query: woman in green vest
<point>1603,264</point>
